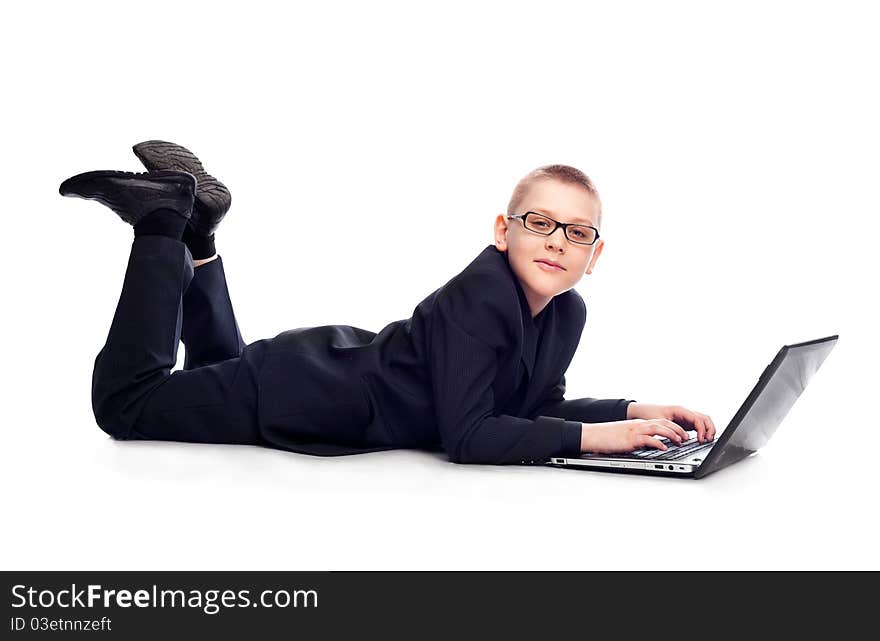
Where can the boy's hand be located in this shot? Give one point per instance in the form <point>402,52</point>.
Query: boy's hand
<point>688,419</point>
<point>626,436</point>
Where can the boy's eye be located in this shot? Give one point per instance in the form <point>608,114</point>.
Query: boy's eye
<point>578,233</point>
<point>541,223</point>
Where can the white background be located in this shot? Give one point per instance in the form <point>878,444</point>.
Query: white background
<point>735,147</point>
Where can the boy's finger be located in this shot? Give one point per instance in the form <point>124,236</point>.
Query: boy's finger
<point>701,430</point>
<point>650,441</point>
<point>669,432</point>
<point>705,433</point>
<point>678,429</point>
<point>686,417</point>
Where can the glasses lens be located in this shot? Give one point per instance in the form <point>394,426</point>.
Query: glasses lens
<point>539,223</point>
<point>580,234</point>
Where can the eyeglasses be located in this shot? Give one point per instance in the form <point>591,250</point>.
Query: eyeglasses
<point>540,224</point>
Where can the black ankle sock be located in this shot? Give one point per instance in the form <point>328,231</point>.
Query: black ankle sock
<point>163,222</point>
<point>199,246</point>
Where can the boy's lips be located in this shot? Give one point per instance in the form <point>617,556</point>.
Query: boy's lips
<point>550,263</point>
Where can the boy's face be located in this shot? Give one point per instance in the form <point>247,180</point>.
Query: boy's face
<point>562,202</point>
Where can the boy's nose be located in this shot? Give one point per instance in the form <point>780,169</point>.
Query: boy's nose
<point>555,240</point>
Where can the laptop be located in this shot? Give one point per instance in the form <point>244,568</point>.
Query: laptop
<point>756,421</point>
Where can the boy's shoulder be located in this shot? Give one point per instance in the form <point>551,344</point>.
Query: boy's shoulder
<point>484,298</point>
<point>571,304</point>
<point>490,272</point>
<point>486,281</point>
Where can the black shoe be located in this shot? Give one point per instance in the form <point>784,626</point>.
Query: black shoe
<point>212,197</point>
<point>133,195</point>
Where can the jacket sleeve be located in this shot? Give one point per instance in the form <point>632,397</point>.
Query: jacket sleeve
<point>464,365</point>
<point>586,410</point>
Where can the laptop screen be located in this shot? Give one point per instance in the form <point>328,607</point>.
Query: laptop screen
<point>771,399</point>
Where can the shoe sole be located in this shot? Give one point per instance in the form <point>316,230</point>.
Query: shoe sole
<point>159,154</point>
<point>78,186</point>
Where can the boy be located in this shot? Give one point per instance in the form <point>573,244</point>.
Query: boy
<point>477,371</point>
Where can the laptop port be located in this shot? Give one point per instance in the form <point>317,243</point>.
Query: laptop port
<point>671,467</point>
<point>659,467</point>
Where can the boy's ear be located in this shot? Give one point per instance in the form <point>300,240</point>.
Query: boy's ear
<point>598,250</point>
<point>501,232</point>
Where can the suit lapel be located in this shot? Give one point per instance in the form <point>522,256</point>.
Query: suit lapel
<point>530,331</point>
<point>498,260</point>
<point>529,345</point>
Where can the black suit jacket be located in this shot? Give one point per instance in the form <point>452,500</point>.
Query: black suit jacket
<point>470,373</point>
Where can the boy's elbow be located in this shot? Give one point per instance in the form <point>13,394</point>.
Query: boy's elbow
<point>467,447</point>
<point>464,456</point>
<point>454,456</point>
<point>459,454</point>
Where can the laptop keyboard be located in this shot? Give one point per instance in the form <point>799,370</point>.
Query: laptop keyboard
<point>674,453</point>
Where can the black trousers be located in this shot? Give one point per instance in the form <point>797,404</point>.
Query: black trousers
<point>165,300</point>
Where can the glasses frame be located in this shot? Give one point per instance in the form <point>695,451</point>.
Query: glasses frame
<point>564,226</point>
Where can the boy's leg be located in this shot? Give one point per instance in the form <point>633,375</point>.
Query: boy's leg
<point>134,393</point>
<point>209,331</point>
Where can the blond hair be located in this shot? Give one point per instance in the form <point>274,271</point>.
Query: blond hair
<point>562,173</point>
